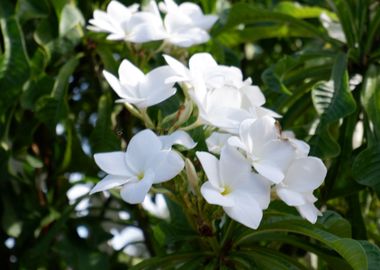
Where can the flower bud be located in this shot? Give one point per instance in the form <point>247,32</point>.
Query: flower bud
<point>191,176</point>
<point>184,113</point>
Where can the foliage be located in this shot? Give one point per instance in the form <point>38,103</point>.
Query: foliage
<point>56,111</point>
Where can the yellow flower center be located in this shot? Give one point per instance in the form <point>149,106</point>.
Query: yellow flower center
<point>140,176</point>
<point>227,190</point>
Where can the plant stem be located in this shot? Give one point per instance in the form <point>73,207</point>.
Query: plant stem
<point>147,121</point>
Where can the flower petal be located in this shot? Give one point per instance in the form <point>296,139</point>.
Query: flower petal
<point>129,74</point>
<point>213,195</point>
<point>256,185</point>
<point>135,192</point>
<point>261,112</point>
<point>118,11</point>
<point>246,138</point>
<point>178,137</point>
<point>101,22</point>
<point>261,132</point>
<point>216,141</point>
<point>166,165</point>
<point>182,71</point>
<point>145,27</point>
<point>309,212</point>
<point>269,171</point>
<point>246,211</point>
<point>232,165</point>
<point>305,174</point>
<point>279,152</point>
<point>291,197</point>
<point>155,88</point>
<point>195,13</point>
<point>302,148</point>
<point>108,182</point>
<point>228,119</point>
<point>140,148</point>
<point>211,167</point>
<point>202,62</point>
<point>113,163</point>
<point>114,83</point>
<point>254,94</point>
<point>187,37</point>
<point>236,142</point>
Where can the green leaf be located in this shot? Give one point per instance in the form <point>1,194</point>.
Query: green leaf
<point>243,13</point>
<point>79,256</point>
<point>366,168</point>
<point>322,95</point>
<point>34,90</point>
<point>298,242</point>
<point>14,63</point>
<point>269,259</point>
<point>373,254</point>
<point>295,75</point>
<point>347,20</point>
<point>106,54</point>
<point>51,111</point>
<point>11,222</point>
<point>177,258</point>
<point>349,249</point>
<point>370,97</point>
<point>32,9</point>
<point>333,100</point>
<point>299,11</point>
<point>255,33</point>
<point>373,32</point>
<point>103,138</point>
<point>54,108</point>
<point>335,224</point>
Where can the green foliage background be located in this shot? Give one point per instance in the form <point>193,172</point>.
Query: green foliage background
<point>56,110</point>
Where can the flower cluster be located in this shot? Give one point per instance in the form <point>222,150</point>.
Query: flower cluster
<point>255,156</point>
<point>183,25</point>
<point>249,159</point>
<point>256,159</point>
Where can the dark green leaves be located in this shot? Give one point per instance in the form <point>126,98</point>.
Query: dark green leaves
<point>371,103</point>
<point>373,254</point>
<point>349,249</point>
<point>103,138</point>
<point>14,63</point>
<point>333,101</point>
<point>254,16</point>
<point>366,168</point>
<point>54,108</point>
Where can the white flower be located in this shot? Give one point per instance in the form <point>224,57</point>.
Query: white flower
<point>302,178</point>
<point>231,184</point>
<point>302,148</point>
<point>216,142</point>
<point>178,137</point>
<point>186,25</point>
<point>126,23</point>
<point>145,162</point>
<point>269,154</point>
<point>141,90</point>
<point>223,98</point>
